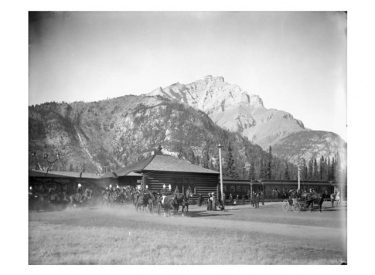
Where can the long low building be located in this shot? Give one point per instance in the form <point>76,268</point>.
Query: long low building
<point>159,169</point>
<point>41,180</point>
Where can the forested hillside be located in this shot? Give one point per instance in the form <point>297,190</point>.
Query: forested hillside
<point>108,134</point>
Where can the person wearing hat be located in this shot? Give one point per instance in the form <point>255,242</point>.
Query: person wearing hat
<point>209,202</point>
<point>111,188</point>
<point>162,191</point>
<point>80,189</point>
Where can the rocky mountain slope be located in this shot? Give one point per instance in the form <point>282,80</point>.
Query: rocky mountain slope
<point>116,132</point>
<point>310,144</point>
<point>234,109</point>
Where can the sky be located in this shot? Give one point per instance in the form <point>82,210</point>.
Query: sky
<point>295,61</point>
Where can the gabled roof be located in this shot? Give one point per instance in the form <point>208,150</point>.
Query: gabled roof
<point>132,174</point>
<point>110,175</point>
<point>59,174</point>
<point>164,163</point>
<point>115,176</point>
<point>134,167</point>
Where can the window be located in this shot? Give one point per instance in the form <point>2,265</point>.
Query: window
<point>232,188</point>
<point>225,187</point>
<point>245,188</point>
<point>238,188</point>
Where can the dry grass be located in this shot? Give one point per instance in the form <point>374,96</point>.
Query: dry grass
<point>107,237</point>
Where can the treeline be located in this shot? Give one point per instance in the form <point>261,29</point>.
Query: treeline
<point>262,166</point>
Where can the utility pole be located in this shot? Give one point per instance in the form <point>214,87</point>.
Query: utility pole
<point>221,176</point>
<point>299,178</point>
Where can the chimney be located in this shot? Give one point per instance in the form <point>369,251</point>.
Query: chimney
<point>158,150</point>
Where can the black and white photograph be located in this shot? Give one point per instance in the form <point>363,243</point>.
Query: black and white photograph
<point>187,138</point>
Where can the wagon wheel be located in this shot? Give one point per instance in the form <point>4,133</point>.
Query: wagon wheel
<point>296,207</point>
<point>285,205</point>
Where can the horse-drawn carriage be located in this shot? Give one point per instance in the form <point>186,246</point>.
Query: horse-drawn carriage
<point>165,201</point>
<point>172,203</point>
<point>302,201</point>
<point>294,204</point>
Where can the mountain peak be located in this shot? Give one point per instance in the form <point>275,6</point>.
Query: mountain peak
<point>209,94</point>
<point>233,108</point>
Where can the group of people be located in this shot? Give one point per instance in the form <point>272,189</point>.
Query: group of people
<point>51,194</point>
<point>213,203</point>
<point>256,198</point>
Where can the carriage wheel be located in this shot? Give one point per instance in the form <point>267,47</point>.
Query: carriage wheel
<point>296,207</point>
<point>285,205</point>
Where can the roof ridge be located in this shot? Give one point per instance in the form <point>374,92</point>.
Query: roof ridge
<point>151,159</point>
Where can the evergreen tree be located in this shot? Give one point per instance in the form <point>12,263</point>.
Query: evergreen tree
<point>231,168</point>
<point>321,168</point>
<point>251,175</point>
<point>333,169</point>
<point>310,174</point>
<point>316,170</point>
<point>286,172</point>
<point>262,171</point>
<point>191,156</point>
<point>206,160</point>
<point>328,167</point>
<point>244,173</point>
<point>303,171</point>
<point>269,164</point>
<point>338,172</point>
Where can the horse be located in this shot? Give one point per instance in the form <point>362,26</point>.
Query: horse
<point>145,199</point>
<point>128,195</point>
<point>335,197</point>
<point>119,196</point>
<point>109,197</point>
<point>79,199</point>
<point>183,199</point>
<point>152,201</point>
<point>313,198</point>
<point>166,202</point>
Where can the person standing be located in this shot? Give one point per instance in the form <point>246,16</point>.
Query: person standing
<point>223,202</point>
<point>257,196</point>
<point>213,202</point>
<point>230,199</point>
<point>199,199</point>
<point>243,199</point>
<point>209,202</point>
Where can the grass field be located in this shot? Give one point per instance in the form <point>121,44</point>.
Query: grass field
<point>242,235</point>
